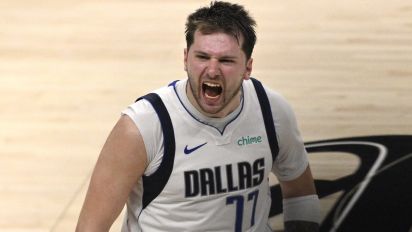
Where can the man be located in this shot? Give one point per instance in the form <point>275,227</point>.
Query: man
<point>196,155</point>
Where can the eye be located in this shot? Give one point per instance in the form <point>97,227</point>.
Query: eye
<point>202,57</point>
<point>228,61</point>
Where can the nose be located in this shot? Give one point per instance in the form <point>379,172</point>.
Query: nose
<point>213,69</point>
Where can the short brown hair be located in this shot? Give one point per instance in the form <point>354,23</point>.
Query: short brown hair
<point>225,17</point>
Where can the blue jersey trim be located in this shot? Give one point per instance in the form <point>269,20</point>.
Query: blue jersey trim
<point>267,117</point>
<point>153,185</point>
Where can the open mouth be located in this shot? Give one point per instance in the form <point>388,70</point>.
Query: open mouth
<point>212,90</point>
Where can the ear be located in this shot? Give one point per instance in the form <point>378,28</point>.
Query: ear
<point>249,65</point>
<point>185,59</point>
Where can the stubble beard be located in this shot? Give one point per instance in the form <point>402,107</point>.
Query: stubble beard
<point>226,100</point>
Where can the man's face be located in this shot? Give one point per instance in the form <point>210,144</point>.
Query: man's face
<point>216,67</point>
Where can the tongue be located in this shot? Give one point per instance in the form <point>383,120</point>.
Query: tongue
<point>211,92</point>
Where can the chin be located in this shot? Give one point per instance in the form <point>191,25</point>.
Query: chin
<point>210,110</point>
<point>214,113</point>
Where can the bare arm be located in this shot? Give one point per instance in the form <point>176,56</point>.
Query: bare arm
<point>301,186</point>
<point>121,163</point>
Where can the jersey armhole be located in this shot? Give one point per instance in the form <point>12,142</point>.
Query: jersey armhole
<point>267,117</point>
<point>154,184</point>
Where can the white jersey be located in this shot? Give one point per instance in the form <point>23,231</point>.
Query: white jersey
<point>210,179</point>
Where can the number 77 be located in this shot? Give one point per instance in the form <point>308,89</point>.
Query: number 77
<point>239,200</point>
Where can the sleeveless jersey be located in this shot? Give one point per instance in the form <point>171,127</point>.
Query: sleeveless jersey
<point>208,180</point>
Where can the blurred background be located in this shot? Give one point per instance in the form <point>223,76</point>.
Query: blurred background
<point>67,69</point>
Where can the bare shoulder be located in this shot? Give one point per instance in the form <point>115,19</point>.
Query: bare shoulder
<point>125,143</point>
<point>121,163</point>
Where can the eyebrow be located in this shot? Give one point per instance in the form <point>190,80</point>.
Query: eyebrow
<point>206,54</point>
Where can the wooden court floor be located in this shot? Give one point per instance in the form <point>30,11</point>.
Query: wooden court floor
<point>67,68</point>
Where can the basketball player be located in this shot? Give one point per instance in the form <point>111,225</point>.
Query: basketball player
<point>196,155</point>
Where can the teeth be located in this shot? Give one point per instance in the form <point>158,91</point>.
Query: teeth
<point>212,84</point>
